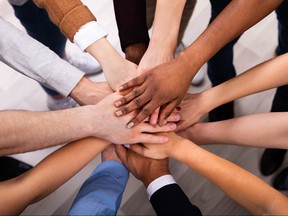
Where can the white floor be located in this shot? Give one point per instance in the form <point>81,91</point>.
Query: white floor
<point>255,46</point>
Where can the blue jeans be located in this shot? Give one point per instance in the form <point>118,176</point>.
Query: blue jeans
<point>39,26</point>
<point>221,68</point>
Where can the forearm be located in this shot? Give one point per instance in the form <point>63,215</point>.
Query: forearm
<point>26,131</point>
<point>236,18</point>
<point>116,69</point>
<point>166,24</point>
<point>48,175</point>
<point>267,75</point>
<point>268,130</point>
<point>242,186</point>
<point>29,57</point>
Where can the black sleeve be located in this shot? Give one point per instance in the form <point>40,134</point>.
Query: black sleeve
<point>131,21</point>
<point>171,200</point>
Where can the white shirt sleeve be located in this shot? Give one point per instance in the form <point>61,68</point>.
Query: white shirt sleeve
<point>31,58</point>
<point>88,34</point>
<point>159,183</point>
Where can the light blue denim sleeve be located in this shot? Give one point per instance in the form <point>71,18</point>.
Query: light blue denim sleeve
<point>101,193</point>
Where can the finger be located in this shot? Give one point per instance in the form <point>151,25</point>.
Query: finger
<point>148,128</point>
<point>152,138</point>
<point>140,149</point>
<point>174,117</point>
<point>121,152</point>
<point>143,114</point>
<point>166,112</point>
<point>154,116</point>
<point>135,93</point>
<point>132,83</point>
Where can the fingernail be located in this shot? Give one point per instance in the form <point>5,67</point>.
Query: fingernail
<point>154,121</point>
<point>177,117</point>
<point>127,145</point>
<point>118,113</point>
<point>130,125</point>
<point>173,126</point>
<point>118,103</point>
<point>120,88</point>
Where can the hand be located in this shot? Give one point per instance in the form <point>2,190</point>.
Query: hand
<point>158,151</point>
<point>163,86</point>
<point>153,57</point>
<point>144,169</point>
<point>193,108</point>
<point>88,92</point>
<point>114,129</point>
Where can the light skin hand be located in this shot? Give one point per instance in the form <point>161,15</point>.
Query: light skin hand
<point>144,169</point>
<point>158,151</point>
<point>112,128</point>
<point>193,107</point>
<point>88,92</point>
<point>159,87</point>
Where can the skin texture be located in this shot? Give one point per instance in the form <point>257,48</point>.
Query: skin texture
<point>265,130</point>
<point>245,188</point>
<point>166,85</point>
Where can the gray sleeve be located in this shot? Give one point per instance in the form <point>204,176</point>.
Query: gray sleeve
<point>33,59</point>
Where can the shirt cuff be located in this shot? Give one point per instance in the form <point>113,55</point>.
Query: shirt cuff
<point>159,183</point>
<point>88,34</point>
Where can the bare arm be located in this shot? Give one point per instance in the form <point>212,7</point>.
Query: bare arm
<point>245,188</point>
<point>26,130</point>
<point>164,36</point>
<point>267,75</point>
<point>268,130</point>
<point>16,194</point>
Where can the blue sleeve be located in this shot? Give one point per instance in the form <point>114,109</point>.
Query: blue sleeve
<point>101,193</point>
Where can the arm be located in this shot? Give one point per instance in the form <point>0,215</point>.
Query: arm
<point>58,127</point>
<point>29,57</point>
<point>27,131</point>
<point>269,74</point>
<point>164,37</point>
<point>266,130</point>
<point>78,24</point>
<point>242,186</point>
<point>16,194</point>
<point>162,85</point>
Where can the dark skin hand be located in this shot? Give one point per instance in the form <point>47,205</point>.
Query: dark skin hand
<point>143,168</point>
<point>159,87</point>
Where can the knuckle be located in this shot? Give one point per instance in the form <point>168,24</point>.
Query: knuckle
<point>124,110</point>
<point>135,80</point>
<point>125,85</point>
<point>146,112</point>
<point>136,92</point>
<point>138,101</point>
<point>123,100</point>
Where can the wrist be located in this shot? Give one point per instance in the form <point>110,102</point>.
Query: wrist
<point>85,92</point>
<point>151,176</point>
